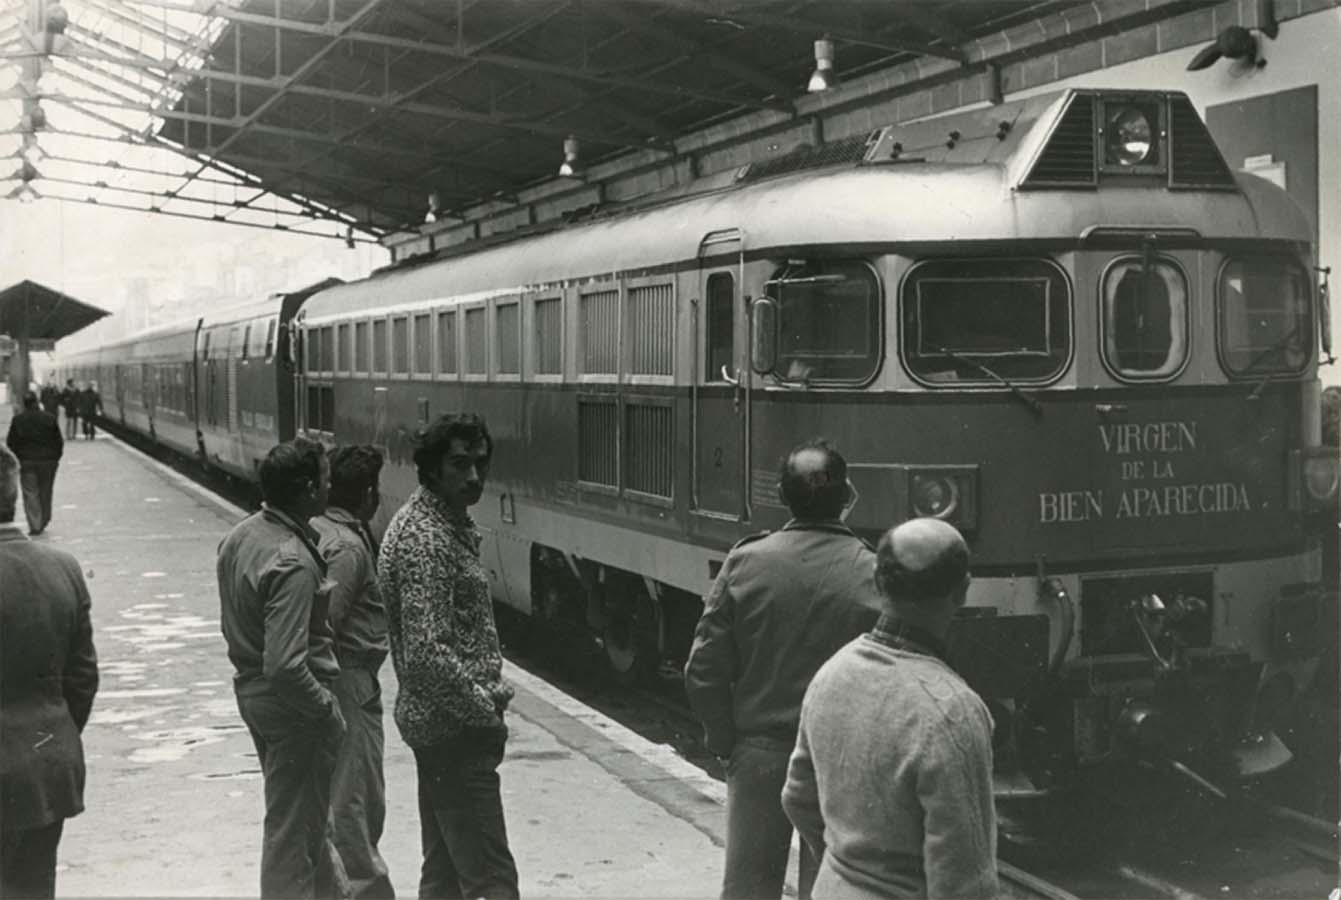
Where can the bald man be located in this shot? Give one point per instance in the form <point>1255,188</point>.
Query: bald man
<point>782,604</point>
<point>891,778</point>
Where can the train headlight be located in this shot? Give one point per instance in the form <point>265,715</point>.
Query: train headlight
<point>1130,137</point>
<point>1314,479</point>
<point>949,493</point>
<point>1320,476</point>
<point>935,496</point>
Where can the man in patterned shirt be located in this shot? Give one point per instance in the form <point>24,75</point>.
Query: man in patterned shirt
<point>444,647</point>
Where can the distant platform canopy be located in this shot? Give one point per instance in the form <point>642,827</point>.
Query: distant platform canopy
<point>43,314</point>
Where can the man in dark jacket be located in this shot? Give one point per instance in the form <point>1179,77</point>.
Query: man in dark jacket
<point>782,604</point>
<point>48,676</point>
<point>90,406</point>
<point>70,403</point>
<point>50,397</point>
<point>35,438</point>
<point>274,599</point>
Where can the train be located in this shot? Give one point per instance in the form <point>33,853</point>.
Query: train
<point>1063,324</point>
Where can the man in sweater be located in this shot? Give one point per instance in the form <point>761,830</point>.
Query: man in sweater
<point>444,646</point>
<point>782,604</point>
<point>891,778</point>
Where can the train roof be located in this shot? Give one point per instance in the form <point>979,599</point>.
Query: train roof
<point>958,178</point>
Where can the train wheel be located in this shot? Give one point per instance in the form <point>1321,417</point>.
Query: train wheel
<point>630,640</point>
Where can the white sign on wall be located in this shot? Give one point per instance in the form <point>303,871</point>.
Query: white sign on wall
<point>1265,166</point>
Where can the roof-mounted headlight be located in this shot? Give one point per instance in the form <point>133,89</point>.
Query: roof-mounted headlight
<point>1130,137</point>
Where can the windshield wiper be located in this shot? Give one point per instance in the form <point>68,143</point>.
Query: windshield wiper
<point>1027,399</point>
<point>1276,347</point>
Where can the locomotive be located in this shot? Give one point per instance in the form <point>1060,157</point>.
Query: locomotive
<point>1062,324</point>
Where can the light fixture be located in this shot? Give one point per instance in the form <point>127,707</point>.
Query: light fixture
<point>1235,43</point>
<point>57,18</point>
<point>434,206</point>
<point>571,166</point>
<point>824,76</point>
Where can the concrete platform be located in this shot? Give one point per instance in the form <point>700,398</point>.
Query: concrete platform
<point>174,792</point>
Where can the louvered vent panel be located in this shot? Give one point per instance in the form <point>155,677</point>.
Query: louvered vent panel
<point>1194,159</point>
<point>847,150</point>
<point>1068,157</point>
<point>598,441</point>
<point>549,336</point>
<point>651,329</point>
<point>600,333</point>
<point>649,464</point>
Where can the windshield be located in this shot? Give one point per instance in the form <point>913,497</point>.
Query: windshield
<point>959,315</point>
<point>828,321</point>
<point>1145,318</point>
<point>1265,325</point>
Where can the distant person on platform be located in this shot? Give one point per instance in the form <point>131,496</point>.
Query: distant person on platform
<point>444,645</point>
<point>782,604</point>
<point>892,773</point>
<point>90,407</point>
<point>35,438</point>
<point>50,397</point>
<point>70,403</point>
<point>274,598</point>
<point>358,789</point>
<point>48,676</point>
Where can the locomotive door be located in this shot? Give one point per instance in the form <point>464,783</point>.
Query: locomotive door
<point>720,386</point>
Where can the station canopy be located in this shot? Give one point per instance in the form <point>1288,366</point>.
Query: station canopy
<point>299,113</point>
<point>42,313</point>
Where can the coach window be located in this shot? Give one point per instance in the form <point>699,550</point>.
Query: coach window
<point>1145,319</point>
<point>719,352</point>
<point>361,348</point>
<point>507,338</point>
<point>270,340</point>
<point>328,349</point>
<point>477,345</point>
<point>342,347</point>
<point>400,345</point>
<point>423,344</point>
<point>977,321</point>
<point>312,344</point>
<point>828,321</point>
<point>447,342</point>
<point>246,342</point>
<point>1265,325</point>
<point>379,346</point>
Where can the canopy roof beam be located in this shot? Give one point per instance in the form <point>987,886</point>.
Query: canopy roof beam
<point>795,24</point>
<point>476,54</point>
